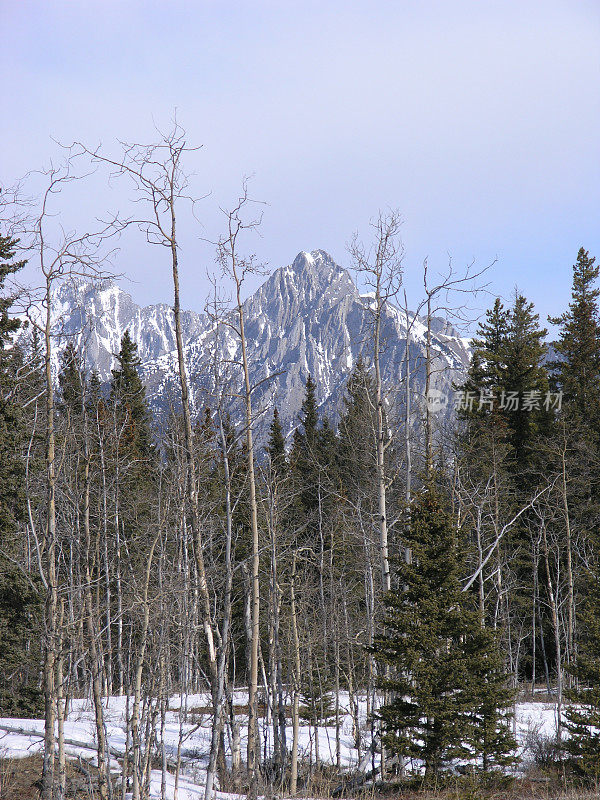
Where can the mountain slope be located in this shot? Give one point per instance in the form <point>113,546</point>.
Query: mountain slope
<point>307,318</point>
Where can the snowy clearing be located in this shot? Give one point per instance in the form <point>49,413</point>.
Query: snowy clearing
<point>25,738</point>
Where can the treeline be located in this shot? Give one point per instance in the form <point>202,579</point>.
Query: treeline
<point>435,572</point>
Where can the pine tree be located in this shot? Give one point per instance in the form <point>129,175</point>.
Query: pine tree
<point>71,381</point>
<point>489,735</point>
<point>276,447</point>
<point>328,452</point>
<point>578,370</point>
<point>487,369</point>
<point>8,266</point>
<point>305,451</point>
<point>578,375</point>
<point>526,375</point>
<point>20,600</point>
<point>129,395</point>
<point>583,715</point>
<point>507,382</point>
<point>446,702</point>
<point>11,420</point>
<point>357,432</point>
<point>486,433</point>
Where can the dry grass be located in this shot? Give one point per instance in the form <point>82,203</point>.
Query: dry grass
<point>20,779</point>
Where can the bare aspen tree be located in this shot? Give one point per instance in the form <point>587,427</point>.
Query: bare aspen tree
<point>60,256</point>
<point>139,771</point>
<point>92,618</point>
<point>225,632</point>
<point>380,267</point>
<point>237,268</point>
<point>407,404</point>
<point>297,672</point>
<point>569,546</point>
<point>552,589</point>
<point>437,301</point>
<point>160,183</point>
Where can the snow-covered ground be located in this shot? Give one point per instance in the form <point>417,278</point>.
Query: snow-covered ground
<point>532,719</point>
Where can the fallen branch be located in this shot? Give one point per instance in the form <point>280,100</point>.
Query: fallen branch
<point>70,742</point>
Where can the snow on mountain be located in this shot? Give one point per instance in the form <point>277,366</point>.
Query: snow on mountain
<point>306,318</point>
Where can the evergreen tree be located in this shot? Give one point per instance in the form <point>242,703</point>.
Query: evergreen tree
<point>583,715</point>
<point>578,370</point>
<point>129,396</point>
<point>578,375</point>
<point>489,733</point>
<point>447,703</point>
<point>305,451</point>
<point>328,452</point>
<point>20,600</point>
<point>525,374</point>
<point>71,381</point>
<point>357,432</point>
<point>20,622</point>
<point>487,367</point>
<point>11,419</point>
<point>276,447</point>
<point>123,423</point>
<point>507,382</point>
<point>8,266</point>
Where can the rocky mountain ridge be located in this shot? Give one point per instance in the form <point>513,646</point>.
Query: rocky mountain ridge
<point>307,318</point>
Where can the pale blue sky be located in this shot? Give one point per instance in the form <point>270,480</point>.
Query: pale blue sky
<point>478,120</point>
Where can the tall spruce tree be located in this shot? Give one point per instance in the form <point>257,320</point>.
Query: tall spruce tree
<point>11,420</point>
<point>20,600</point>
<point>448,697</point>
<point>583,714</point>
<point>507,382</point>
<point>525,374</point>
<point>357,433</point>
<point>71,381</point>
<point>129,396</point>
<point>487,367</point>
<point>276,446</point>
<point>578,346</point>
<point>304,456</point>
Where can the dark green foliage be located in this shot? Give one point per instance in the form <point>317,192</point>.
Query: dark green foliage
<point>583,716</point>
<point>71,381</point>
<point>507,415</point>
<point>11,418</point>
<point>486,371</point>
<point>305,451</point>
<point>129,397</point>
<point>122,424</point>
<point>8,266</point>
<point>525,373</point>
<point>447,701</point>
<point>316,707</point>
<point>313,463</point>
<point>507,384</point>
<point>20,613</point>
<point>276,447</point>
<point>578,370</point>
<point>357,430</point>
<point>19,598</point>
<point>489,735</point>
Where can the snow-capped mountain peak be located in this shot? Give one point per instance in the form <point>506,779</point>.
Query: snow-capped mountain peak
<point>306,318</point>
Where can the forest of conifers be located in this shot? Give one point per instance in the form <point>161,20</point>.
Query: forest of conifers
<point>441,572</point>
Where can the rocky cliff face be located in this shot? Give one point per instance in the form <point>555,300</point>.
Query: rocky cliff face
<point>307,318</point>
